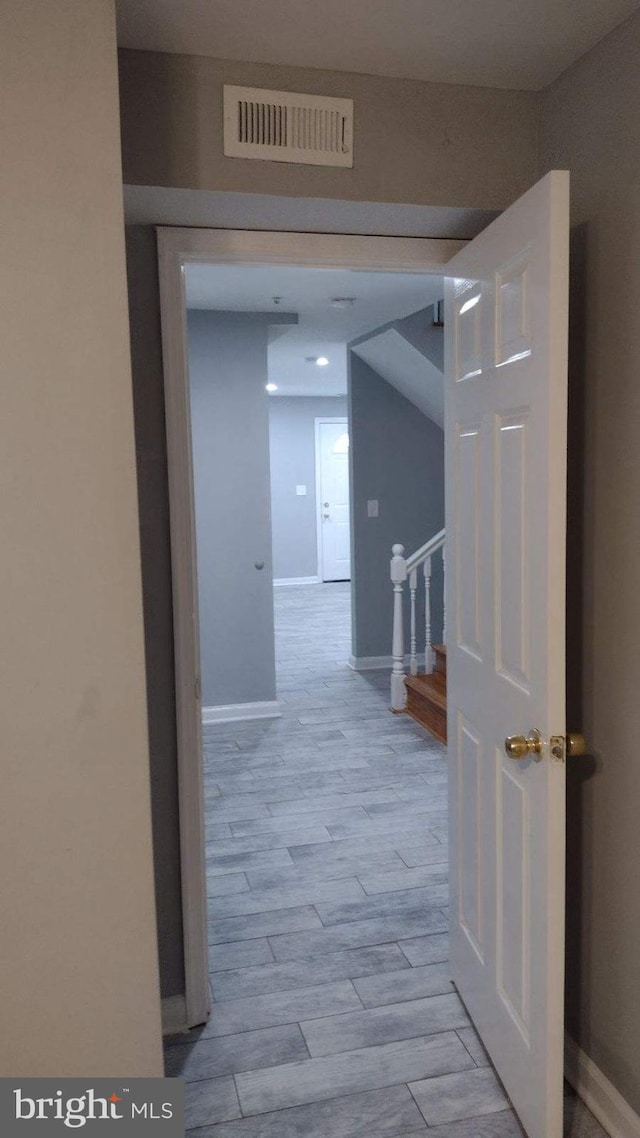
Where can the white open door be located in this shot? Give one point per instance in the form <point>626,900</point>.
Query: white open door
<point>506,322</point>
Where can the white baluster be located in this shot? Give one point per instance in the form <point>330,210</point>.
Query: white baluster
<point>444,596</point>
<point>398,578</point>
<point>413,656</point>
<point>428,654</point>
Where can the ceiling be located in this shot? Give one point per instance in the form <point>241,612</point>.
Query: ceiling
<point>322,330</point>
<point>521,44</point>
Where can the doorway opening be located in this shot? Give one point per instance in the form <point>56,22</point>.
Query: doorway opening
<point>495,325</point>
<point>322,699</point>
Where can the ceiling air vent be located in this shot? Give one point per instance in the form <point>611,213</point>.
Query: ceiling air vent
<point>283,127</point>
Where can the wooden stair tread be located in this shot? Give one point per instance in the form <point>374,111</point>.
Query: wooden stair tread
<point>428,683</point>
<point>441,649</point>
<point>431,687</point>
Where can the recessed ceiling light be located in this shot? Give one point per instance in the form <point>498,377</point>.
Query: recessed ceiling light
<point>271,387</point>
<point>322,361</point>
<point>342,301</point>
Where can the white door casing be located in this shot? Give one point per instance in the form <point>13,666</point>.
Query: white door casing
<point>506,320</point>
<point>332,499</point>
<point>178,247</point>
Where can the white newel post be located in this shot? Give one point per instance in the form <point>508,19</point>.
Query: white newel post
<point>413,651</point>
<point>428,655</point>
<point>398,578</point>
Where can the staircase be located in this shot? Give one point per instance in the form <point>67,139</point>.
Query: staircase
<point>427,696</point>
<point>422,695</point>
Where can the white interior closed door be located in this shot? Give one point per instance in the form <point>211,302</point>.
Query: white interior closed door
<point>333,499</point>
<point>506,410</point>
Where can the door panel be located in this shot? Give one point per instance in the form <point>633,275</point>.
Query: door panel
<point>470,828</point>
<point>468,549</point>
<point>506,357</point>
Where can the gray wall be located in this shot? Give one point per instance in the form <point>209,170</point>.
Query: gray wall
<point>414,142</point>
<point>79,976</point>
<point>591,125</point>
<point>230,435</point>
<point>397,456</point>
<point>293,463</point>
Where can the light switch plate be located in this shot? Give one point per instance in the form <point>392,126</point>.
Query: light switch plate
<point>372,508</point>
<point>301,491</point>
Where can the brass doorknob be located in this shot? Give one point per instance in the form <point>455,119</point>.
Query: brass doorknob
<point>576,744</point>
<point>520,746</point>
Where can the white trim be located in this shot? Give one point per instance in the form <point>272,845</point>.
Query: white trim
<point>186,636</point>
<point>370,663</point>
<point>229,712</point>
<point>178,247</point>
<point>427,550</point>
<point>174,1015</point>
<point>307,250</point>
<point>317,424</point>
<point>593,1087</point>
<point>296,581</point>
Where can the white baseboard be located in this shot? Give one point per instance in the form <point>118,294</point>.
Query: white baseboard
<point>296,581</point>
<point>174,1015</point>
<point>229,712</point>
<point>369,663</point>
<point>607,1104</point>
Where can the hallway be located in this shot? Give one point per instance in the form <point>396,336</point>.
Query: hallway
<point>334,1015</point>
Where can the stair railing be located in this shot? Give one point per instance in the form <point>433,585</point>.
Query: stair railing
<point>403,569</point>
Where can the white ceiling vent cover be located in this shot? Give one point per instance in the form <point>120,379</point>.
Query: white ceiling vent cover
<point>284,127</point>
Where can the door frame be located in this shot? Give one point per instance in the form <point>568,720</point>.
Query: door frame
<point>178,247</point>
<point>318,466</point>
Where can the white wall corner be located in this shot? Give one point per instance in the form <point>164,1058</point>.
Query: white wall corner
<point>594,1088</point>
<point>230,712</point>
<point>174,1015</point>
